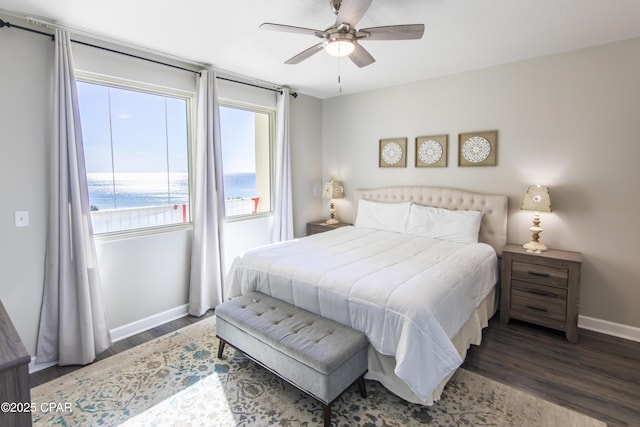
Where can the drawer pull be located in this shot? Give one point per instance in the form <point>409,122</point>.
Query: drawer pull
<point>537,273</point>
<point>542,293</point>
<point>537,308</point>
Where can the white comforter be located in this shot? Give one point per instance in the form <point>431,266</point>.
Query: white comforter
<point>408,294</point>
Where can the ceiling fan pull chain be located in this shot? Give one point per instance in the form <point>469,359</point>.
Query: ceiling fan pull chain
<point>339,77</point>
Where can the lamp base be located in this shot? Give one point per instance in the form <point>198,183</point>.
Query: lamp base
<point>332,214</point>
<point>535,247</point>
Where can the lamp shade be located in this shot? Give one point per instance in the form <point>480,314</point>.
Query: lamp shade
<point>332,190</point>
<point>537,199</point>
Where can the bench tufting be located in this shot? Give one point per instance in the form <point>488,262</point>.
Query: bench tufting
<point>317,355</point>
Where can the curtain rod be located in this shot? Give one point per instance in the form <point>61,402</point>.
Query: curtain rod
<point>10,25</point>
<point>294,94</point>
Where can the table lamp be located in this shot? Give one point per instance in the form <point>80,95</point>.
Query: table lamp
<point>332,190</point>
<point>537,200</point>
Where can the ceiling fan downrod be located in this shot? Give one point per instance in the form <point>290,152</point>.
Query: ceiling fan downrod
<point>335,5</point>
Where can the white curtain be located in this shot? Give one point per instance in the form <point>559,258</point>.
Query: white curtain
<point>73,326</point>
<point>205,288</point>
<point>283,210</point>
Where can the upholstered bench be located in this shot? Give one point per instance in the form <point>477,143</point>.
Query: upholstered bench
<point>318,356</point>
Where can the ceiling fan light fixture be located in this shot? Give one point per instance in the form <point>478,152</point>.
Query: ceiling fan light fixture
<point>340,48</point>
<point>339,43</point>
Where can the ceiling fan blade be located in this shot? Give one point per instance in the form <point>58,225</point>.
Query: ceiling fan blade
<point>305,54</point>
<point>291,29</point>
<point>361,57</point>
<point>352,11</point>
<point>393,32</point>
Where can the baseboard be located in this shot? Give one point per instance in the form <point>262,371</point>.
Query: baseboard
<point>609,328</point>
<point>130,329</point>
<point>33,367</point>
<point>147,323</point>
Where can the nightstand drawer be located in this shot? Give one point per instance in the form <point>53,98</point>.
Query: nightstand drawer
<point>535,313</point>
<point>543,300</point>
<point>534,304</point>
<point>538,273</point>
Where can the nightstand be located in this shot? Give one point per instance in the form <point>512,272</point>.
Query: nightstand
<point>320,227</point>
<point>541,288</point>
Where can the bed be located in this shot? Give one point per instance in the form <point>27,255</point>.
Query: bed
<point>416,273</point>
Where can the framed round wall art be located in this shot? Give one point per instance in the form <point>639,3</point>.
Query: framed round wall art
<point>393,153</point>
<point>477,148</point>
<point>431,151</point>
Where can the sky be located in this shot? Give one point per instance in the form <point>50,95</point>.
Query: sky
<point>139,144</point>
<point>238,140</point>
<point>129,120</point>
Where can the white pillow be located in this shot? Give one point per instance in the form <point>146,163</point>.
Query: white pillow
<point>383,216</point>
<point>451,225</point>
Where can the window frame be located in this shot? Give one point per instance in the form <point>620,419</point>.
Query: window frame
<point>271,112</point>
<point>134,85</point>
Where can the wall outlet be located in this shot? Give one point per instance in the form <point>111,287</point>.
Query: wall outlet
<point>22,218</point>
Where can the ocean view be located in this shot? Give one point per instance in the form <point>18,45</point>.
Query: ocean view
<point>156,189</point>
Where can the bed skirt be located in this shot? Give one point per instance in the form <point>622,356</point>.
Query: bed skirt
<point>381,367</point>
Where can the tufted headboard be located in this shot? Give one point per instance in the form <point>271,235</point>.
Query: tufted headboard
<point>493,229</point>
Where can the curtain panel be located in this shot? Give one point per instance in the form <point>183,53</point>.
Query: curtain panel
<point>283,209</point>
<point>73,325</point>
<point>206,281</point>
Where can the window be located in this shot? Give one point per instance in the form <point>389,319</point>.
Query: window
<point>247,136</point>
<point>136,156</point>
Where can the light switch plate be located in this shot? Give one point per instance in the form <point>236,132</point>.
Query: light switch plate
<point>22,218</point>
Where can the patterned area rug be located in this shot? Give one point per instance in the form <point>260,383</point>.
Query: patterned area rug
<point>177,380</point>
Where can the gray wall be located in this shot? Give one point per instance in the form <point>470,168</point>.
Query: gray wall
<point>25,92</point>
<point>570,121</point>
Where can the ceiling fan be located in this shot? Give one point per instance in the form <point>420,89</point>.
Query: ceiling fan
<point>343,39</point>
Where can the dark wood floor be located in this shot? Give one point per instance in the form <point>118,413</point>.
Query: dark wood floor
<point>599,376</point>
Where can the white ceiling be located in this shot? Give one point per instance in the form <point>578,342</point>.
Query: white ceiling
<point>460,35</point>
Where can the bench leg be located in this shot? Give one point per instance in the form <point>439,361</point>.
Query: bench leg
<point>326,415</point>
<point>221,348</point>
<point>362,387</point>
